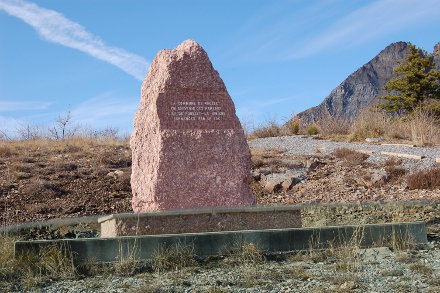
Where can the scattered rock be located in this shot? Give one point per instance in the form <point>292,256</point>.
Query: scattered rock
<point>374,139</point>
<point>375,254</point>
<point>278,182</point>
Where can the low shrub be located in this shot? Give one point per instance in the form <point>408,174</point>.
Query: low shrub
<point>293,125</point>
<point>429,179</point>
<point>312,129</point>
<point>395,173</point>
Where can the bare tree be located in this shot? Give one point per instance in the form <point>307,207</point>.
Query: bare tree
<point>28,132</point>
<point>4,136</point>
<point>62,128</point>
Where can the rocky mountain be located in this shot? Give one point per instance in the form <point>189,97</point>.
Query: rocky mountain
<point>362,87</point>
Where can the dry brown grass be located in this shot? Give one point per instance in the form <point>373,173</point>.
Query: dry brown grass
<point>293,125</point>
<point>349,156</point>
<point>250,254</point>
<point>7,260</point>
<point>429,179</point>
<point>330,126</point>
<point>395,174</point>
<point>421,269</point>
<point>6,150</point>
<point>369,123</point>
<point>270,130</point>
<point>174,257</point>
<point>424,128</point>
<point>31,269</point>
<point>421,128</point>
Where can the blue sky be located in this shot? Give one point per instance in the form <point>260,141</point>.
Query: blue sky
<point>275,57</point>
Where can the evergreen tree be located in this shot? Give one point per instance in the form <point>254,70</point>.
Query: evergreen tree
<point>416,83</point>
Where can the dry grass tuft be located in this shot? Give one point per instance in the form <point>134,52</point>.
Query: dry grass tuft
<point>351,157</point>
<point>421,269</point>
<point>174,257</point>
<point>333,126</point>
<point>127,261</point>
<point>395,174</point>
<point>33,268</point>
<point>300,274</point>
<point>293,125</point>
<point>270,130</point>
<point>429,179</point>
<point>422,127</point>
<point>250,254</point>
<point>347,255</point>
<point>6,150</point>
<point>7,259</point>
<point>370,123</point>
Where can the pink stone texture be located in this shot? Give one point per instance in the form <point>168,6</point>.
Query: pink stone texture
<point>188,147</point>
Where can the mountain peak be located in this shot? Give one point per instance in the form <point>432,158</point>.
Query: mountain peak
<point>361,88</point>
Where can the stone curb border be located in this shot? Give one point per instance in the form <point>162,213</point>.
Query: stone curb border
<point>52,224</point>
<point>218,243</point>
<point>401,155</point>
<point>399,144</point>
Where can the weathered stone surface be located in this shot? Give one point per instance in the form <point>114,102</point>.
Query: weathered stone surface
<point>188,146</point>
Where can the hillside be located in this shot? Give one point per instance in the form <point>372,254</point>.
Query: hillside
<point>361,88</point>
<point>41,180</point>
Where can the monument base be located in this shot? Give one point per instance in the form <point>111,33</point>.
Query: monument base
<point>200,220</point>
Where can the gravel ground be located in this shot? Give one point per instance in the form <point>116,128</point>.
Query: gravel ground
<point>368,270</point>
<point>299,145</point>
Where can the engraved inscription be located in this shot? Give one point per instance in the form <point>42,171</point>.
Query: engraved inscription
<point>196,111</point>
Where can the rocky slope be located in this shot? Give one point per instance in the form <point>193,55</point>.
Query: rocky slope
<point>362,87</point>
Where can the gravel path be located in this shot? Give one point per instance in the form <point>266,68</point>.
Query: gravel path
<point>365,270</point>
<point>299,145</point>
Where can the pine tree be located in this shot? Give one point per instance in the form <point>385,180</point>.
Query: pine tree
<point>416,83</point>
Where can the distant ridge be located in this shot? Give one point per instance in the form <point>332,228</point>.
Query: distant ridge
<point>361,88</point>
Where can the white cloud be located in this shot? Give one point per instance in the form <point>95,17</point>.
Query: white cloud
<point>9,125</point>
<point>8,106</point>
<point>371,21</point>
<point>106,110</point>
<point>55,27</point>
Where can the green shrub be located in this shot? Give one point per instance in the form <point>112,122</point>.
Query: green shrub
<point>312,129</point>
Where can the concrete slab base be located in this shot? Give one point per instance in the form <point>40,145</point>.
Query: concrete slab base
<point>200,220</point>
<point>218,243</point>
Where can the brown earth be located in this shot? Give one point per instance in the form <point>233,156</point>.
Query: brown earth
<point>40,180</point>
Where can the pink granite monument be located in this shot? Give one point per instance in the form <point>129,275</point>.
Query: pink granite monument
<point>188,147</point>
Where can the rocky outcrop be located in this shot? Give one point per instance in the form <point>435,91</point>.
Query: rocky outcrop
<point>362,88</point>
